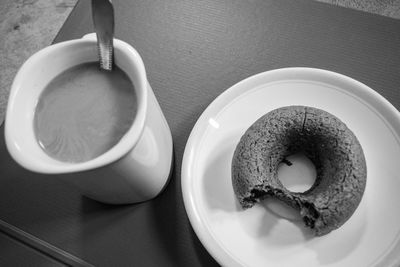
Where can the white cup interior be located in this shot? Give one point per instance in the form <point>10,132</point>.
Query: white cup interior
<point>31,80</point>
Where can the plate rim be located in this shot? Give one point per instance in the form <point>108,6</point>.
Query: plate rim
<point>202,232</point>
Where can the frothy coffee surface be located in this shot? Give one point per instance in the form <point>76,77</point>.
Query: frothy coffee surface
<point>84,112</point>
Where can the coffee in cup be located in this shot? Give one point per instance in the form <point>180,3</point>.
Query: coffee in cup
<point>83,112</point>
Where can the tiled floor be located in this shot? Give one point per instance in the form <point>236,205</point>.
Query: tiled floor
<point>26,26</point>
<point>389,8</point>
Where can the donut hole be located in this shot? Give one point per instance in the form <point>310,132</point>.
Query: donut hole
<point>297,173</point>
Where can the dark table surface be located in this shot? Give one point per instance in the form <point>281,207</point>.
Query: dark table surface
<point>193,51</point>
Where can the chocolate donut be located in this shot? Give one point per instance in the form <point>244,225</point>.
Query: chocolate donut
<point>331,146</point>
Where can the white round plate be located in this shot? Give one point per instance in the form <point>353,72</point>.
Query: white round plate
<point>259,236</point>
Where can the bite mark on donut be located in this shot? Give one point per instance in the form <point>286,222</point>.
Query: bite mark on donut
<point>309,214</point>
<point>256,194</point>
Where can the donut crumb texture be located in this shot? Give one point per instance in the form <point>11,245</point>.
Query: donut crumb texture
<point>331,146</point>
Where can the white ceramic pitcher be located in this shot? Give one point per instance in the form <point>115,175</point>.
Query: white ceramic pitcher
<point>136,169</point>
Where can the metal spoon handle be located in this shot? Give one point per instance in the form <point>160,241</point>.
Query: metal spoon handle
<point>103,20</point>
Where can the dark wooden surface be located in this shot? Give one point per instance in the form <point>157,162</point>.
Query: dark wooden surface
<point>193,50</point>
<point>14,253</point>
